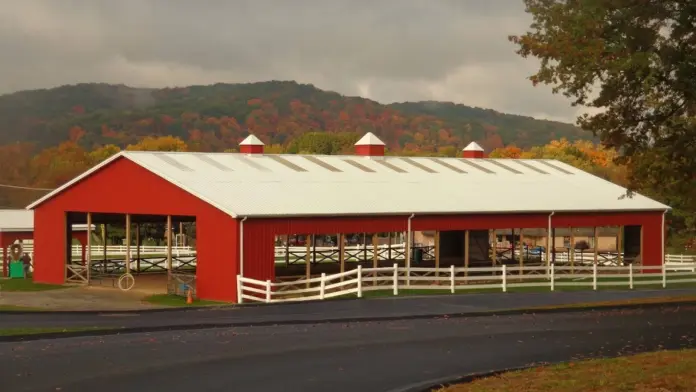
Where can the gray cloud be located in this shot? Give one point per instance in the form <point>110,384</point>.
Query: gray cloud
<point>387,50</point>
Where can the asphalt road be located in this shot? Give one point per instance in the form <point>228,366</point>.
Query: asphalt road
<point>338,310</point>
<point>360,356</point>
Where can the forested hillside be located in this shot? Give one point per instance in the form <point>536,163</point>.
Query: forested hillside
<point>49,136</point>
<point>216,117</point>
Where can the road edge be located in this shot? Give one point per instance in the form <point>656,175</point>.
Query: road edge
<point>430,385</point>
<point>184,327</point>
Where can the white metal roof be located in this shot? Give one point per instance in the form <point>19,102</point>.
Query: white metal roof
<point>473,146</point>
<point>369,139</point>
<point>308,185</point>
<point>14,221</point>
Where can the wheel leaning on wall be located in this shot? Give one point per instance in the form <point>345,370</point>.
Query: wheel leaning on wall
<point>126,282</point>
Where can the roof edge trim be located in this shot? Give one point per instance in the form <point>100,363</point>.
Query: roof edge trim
<point>407,214</point>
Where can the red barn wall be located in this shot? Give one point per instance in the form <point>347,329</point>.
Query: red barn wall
<point>259,234</point>
<point>123,187</point>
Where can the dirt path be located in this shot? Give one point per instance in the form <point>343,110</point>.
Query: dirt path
<point>77,298</point>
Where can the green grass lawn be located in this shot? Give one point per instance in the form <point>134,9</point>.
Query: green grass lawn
<point>662,371</point>
<point>26,285</point>
<point>14,308</point>
<point>175,300</point>
<point>35,331</point>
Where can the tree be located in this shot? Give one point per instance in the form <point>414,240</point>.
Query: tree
<point>100,154</point>
<point>634,61</point>
<point>506,152</point>
<point>162,143</point>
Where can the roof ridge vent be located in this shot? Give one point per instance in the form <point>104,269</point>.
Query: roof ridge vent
<point>251,145</point>
<point>473,150</point>
<point>370,146</point>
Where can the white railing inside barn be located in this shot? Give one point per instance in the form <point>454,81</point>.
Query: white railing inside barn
<point>586,256</point>
<point>393,279</point>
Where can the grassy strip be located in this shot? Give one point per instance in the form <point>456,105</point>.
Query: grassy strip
<point>26,285</point>
<point>175,300</point>
<point>36,331</point>
<point>660,371</point>
<point>14,308</point>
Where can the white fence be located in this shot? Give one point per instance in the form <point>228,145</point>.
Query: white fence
<point>502,278</point>
<point>120,250</point>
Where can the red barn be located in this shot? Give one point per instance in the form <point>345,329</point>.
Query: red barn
<point>241,203</point>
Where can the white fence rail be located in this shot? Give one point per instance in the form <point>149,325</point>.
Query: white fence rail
<point>502,278</point>
<point>120,250</point>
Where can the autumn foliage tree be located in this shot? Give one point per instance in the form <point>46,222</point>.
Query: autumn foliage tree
<point>635,63</point>
<point>162,143</point>
<point>584,155</point>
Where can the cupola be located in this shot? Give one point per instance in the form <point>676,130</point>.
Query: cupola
<point>369,146</point>
<point>251,145</point>
<point>473,150</point>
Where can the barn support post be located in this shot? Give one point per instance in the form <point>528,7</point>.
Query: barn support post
<point>169,246</point>
<point>308,257</point>
<point>128,243</point>
<point>409,244</point>
<point>619,246</point>
<point>512,245</point>
<point>342,252</point>
<point>287,250</point>
<point>521,250</point>
<point>138,244</point>
<point>596,245</point>
<point>466,253</point>
<point>494,256</point>
<point>553,246</point>
<point>364,241</point>
<point>389,244</point>
<point>437,254</point>
<point>571,251</point>
<point>314,249</point>
<point>548,245</point>
<point>105,235</point>
<point>375,257</point>
<point>89,247</point>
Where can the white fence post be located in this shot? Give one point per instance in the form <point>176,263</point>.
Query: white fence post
<point>268,291</point>
<point>664,275</point>
<point>594,276</point>
<point>396,279</point>
<point>553,277</point>
<point>360,281</point>
<point>504,278</point>
<point>630,276</point>
<point>322,288</point>
<point>452,278</point>
<point>239,289</point>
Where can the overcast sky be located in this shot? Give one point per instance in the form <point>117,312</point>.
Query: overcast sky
<point>386,50</point>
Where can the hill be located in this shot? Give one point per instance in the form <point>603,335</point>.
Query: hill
<point>216,117</point>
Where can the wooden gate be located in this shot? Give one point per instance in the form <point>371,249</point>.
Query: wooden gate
<point>76,274</point>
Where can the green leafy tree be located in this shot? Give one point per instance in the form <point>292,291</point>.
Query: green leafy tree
<point>634,61</point>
